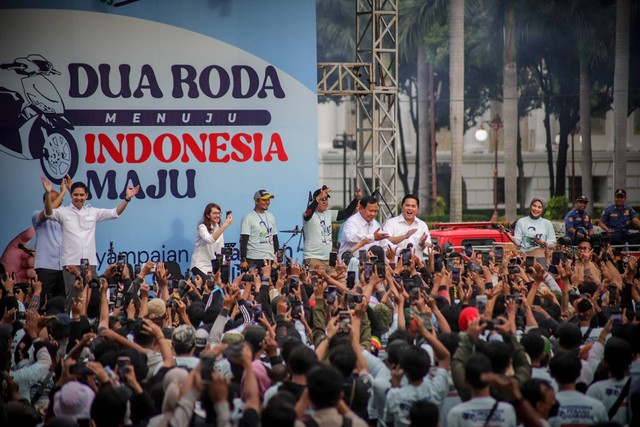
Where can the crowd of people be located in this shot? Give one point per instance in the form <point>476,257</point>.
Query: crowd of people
<point>382,328</point>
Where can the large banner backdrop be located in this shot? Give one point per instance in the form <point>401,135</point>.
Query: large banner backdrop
<point>196,101</point>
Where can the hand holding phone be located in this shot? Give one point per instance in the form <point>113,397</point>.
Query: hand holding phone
<point>513,269</point>
<point>351,279</point>
<point>499,252</point>
<point>616,318</point>
<point>468,250</point>
<point>368,271</point>
<point>207,362</point>
<point>344,321</point>
<point>455,276</point>
<point>333,259</point>
<point>406,257</point>
<point>481,303</point>
<point>84,266</point>
<point>215,265</point>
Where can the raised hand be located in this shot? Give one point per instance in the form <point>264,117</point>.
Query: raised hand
<point>46,184</point>
<point>132,191</point>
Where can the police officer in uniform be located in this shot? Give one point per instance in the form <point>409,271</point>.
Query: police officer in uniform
<point>577,223</point>
<point>617,219</point>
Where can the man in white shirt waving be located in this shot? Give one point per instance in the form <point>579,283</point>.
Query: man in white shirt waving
<point>78,223</point>
<point>407,228</point>
<point>362,225</point>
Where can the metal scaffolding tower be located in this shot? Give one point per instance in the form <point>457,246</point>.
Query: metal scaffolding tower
<point>372,79</point>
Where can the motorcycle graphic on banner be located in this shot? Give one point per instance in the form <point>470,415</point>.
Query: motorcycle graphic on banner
<point>33,125</point>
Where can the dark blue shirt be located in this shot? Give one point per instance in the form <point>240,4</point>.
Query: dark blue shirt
<point>575,220</point>
<point>618,220</point>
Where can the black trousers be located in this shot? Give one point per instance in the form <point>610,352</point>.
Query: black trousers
<point>52,283</point>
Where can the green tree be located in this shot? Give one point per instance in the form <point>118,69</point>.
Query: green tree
<point>551,56</point>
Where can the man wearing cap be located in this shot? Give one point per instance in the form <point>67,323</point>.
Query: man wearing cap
<point>577,223</point>
<point>258,232</point>
<point>616,220</point>
<point>183,339</point>
<point>317,226</point>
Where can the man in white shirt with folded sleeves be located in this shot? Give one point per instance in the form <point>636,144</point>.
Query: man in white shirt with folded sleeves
<point>78,222</point>
<point>407,228</point>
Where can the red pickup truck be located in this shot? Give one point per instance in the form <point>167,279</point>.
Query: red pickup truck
<point>459,234</point>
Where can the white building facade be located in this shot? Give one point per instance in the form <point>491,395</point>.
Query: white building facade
<point>334,121</point>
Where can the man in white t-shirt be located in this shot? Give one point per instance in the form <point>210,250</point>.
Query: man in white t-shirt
<point>575,407</point>
<point>415,363</point>
<point>481,409</point>
<point>317,227</point>
<point>407,229</point>
<point>258,232</point>
<point>617,354</point>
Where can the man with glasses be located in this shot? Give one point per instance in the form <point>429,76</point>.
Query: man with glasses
<point>616,220</point>
<point>317,227</point>
<point>577,223</point>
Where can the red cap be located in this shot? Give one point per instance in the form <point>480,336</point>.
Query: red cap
<point>468,315</point>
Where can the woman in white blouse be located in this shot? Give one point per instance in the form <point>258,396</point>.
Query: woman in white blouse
<point>209,239</point>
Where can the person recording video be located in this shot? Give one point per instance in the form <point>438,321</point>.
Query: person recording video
<point>209,239</point>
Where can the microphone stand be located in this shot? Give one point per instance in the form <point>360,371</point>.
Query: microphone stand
<point>297,230</point>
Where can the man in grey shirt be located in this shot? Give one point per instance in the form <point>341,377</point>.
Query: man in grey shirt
<point>258,232</point>
<point>317,227</point>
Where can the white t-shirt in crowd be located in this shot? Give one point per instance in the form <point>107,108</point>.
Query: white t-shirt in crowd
<point>577,409</point>
<point>474,413</point>
<point>593,335</point>
<point>452,399</point>
<point>399,400</point>
<point>607,392</point>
